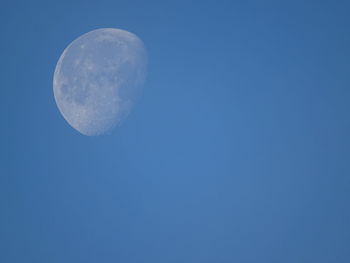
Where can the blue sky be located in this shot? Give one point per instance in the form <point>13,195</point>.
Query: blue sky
<point>238,151</point>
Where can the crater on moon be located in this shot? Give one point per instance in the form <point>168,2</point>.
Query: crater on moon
<point>98,78</point>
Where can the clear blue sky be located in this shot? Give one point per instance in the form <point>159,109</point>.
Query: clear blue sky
<point>239,150</point>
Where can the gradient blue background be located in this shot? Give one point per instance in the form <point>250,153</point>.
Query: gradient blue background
<point>239,150</point>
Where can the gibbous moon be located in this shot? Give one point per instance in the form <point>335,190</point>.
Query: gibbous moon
<point>98,79</point>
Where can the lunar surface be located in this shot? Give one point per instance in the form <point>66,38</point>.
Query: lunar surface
<point>98,79</point>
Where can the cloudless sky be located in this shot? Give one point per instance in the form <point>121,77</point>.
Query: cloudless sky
<point>238,151</point>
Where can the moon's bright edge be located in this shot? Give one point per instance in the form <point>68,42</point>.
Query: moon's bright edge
<point>98,78</point>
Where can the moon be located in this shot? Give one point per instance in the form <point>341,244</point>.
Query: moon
<point>98,78</point>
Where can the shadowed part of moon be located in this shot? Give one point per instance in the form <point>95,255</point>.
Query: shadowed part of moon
<point>98,78</point>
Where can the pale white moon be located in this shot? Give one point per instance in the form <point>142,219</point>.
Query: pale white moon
<point>98,78</point>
